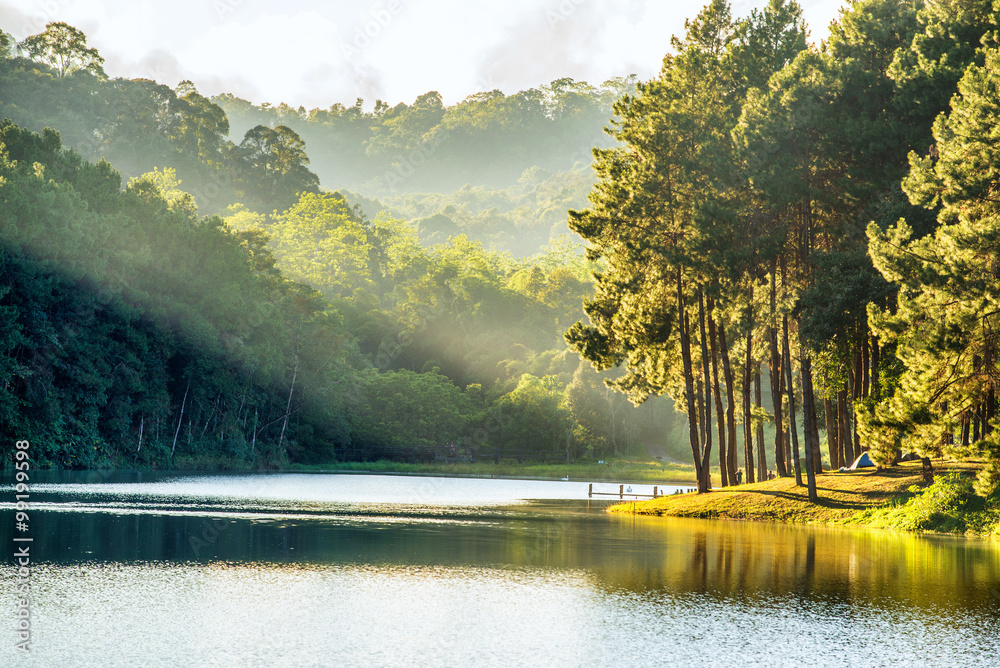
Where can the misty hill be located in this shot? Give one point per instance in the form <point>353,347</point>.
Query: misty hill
<point>488,139</point>
<point>501,169</point>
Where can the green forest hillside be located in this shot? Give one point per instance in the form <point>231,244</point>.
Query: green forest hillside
<point>212,305</point>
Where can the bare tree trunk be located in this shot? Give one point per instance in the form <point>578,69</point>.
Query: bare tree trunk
<point>865,369</point>
<point>180,418</point>
<point>717,391</point>
<point>253,440</point>
<point>776,380</point>
<point>727,369</point>
<point>791,403</point>
<point>142,422</point>
<point>288,406</point>
<point>856,391</point>
<point>831,434</point>
<point>809,426</point>
<point>875,357</point>
<point>787,439</point>
<point>809,394</point>
<point>844,433</point>
<point>700,402</point>
<point>706,468</point>
<point>761,450</point>
<point>689,383</point>
<point>991,411</point>
<point>747,421</point>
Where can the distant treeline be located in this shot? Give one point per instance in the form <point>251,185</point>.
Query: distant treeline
<point>487,139</point>
<point>516,162</point>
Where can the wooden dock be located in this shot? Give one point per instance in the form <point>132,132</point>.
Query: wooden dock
<point>621,493</point>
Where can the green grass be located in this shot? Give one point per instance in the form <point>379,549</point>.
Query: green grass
<point>949,505</point>
<point>624,471</point>
<point>891,498</point>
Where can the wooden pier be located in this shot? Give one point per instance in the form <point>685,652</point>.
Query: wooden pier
<point>621,493</point>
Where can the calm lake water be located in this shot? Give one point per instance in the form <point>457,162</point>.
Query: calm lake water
<point>354,570</point>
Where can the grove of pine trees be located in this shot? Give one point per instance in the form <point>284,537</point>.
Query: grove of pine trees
<point>819,215</point>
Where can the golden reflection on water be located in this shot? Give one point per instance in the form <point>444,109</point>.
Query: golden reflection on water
<point>729,557</point>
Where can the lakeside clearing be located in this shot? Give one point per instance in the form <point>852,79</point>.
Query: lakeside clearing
<point>891,498</point>
<point>612,470</point>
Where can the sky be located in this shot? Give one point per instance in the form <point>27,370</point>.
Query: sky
<point>315,53</point>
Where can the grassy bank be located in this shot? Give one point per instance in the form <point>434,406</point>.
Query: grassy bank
<point>894,498</point>
<point>621,471</point>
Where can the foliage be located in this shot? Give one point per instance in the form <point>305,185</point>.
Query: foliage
<point>140,126</point>
<point>64,48</point>
<point>403,408</point>
<point>945,322</point>
<point>950,505</point>
<point>137,331</point>
<point>427,146</point>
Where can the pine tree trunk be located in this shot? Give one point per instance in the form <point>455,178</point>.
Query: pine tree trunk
<point>991,412</point>
<point>865,369</point>
<point>747,422</point>
<point>706,455</point>
<point>700,403</point>
<point>856,390</point>
<point>727,369</point>
<point>875,357</point>
<point>761,450</point>
<point>844,431</point>
<point>787,440</point>
<point>791,403</point>
<point>692,409</point>
<point>831,434</point>
<point>809,423</point>
<point>977,411</point>
<point>812,415</point>
<point>717,391</point>
<point>776,380</point>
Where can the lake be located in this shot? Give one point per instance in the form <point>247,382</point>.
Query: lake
<point>153,569</point>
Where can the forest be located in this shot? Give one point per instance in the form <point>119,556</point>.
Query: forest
<point>821,216</point>
<point>777,255</point>
<point>175,298</point>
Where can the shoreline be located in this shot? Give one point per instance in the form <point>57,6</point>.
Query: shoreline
<point>488,476</point>
<point>893,498</point>
<point>652,473</point>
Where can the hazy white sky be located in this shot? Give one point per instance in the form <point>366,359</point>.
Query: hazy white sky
<point>318,52</point>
